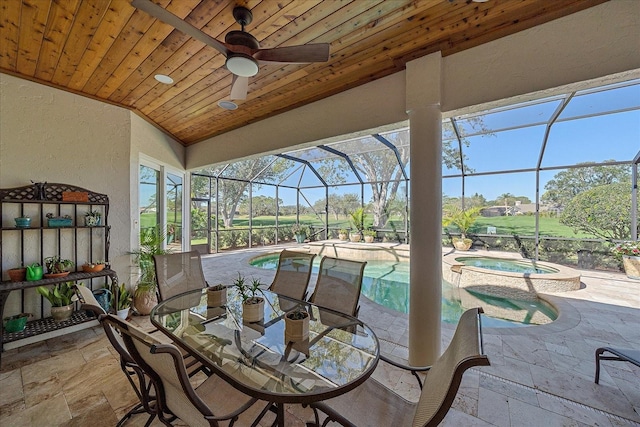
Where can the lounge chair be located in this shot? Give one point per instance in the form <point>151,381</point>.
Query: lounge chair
<point>621,354</point>
<point>372,404</point>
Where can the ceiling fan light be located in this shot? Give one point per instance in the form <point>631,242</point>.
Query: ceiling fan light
<point>242,65</point>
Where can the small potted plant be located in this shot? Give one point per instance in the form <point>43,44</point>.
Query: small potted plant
<point>93,267</point>
<point>369,235</point>
<point>57,267</point>
<point>59,221</point>
<point>23,221</point>
<point>343,234</point>
<point>216,295</point>
<point>300,231</point>
<point>60,298</point>
<point>463,219</point>
<point>629,252</point>
<point>357,218</point>
<point>124,299</point>
<point>252,305</point>
<point>296,325</point>
<point>92,218</point>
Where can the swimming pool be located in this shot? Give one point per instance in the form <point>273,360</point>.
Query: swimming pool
<point>387,284</point>
<point>500,264</point>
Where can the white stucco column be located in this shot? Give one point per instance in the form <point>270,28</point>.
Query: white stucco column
<point>423,108</point>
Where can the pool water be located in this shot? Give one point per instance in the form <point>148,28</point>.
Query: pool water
<point>513,266</point>
<point>387,283</point>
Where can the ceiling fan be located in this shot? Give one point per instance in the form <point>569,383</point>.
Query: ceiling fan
<point>241,49</point>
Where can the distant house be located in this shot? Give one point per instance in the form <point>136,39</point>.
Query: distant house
<point>493,211</point>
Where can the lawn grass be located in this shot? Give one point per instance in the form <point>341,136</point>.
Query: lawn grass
<point>524,225</point>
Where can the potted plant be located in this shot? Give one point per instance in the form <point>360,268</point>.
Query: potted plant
<point>59,221</point>
<point>145,298</point>
<point>23,221</point>
<point>216,295</point>
<point>629,252</point>
<point>369,235</point>
<point>252,305</point>
<point>57,267</point>
<point>93,267</point>
<point>343,234</point>
<point>300,231</point>
<point>60,298</point>
<point>92,218</point>
<point>357,219</point>
<point>463,219</point>
<point>123,299</point>
<point>296,325</point>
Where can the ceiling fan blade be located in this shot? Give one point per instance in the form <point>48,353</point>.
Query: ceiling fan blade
<point>169,18</point>
<point>239,87</point>
<point>295,54</point>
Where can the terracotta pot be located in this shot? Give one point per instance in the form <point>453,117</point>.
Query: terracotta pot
<point>355,237</point>
<point>296,329</point>
<point>17,274</point>
<point>56,275</point>
<point>369,239</point>
<point>343,237</point>
<point>144,302</point>
<point>89,269</point>
<point>60,314</point>
<point>253,312</point>
<point>462,244</point>
<point>631,266</point>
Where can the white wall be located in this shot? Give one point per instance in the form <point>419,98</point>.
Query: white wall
<point>596,42</point>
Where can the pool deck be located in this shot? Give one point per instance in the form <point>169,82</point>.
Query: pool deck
<point>537,373</point>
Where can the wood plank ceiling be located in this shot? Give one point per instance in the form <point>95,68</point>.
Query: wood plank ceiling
<point>108,50</point>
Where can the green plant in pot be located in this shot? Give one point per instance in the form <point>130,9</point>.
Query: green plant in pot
<point>252,305</point>
<point>124,299</point>
<point>463,219</point>
<point>300,231</point>
<point>60,298</point>
<point>151,240</point>
<point>92,218</point>
<point>296,325</point>
<point>369,235</point>
<point>57,266</point>
<point>343,234</point>
<point>357,220</point>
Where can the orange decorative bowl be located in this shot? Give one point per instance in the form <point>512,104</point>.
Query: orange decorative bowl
<point>87,268</point>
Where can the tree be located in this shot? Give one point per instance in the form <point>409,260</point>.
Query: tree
<point>604,211</point>
<point>233,191</point>
<point>565,185</point>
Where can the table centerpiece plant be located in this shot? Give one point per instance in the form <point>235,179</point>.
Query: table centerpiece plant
<point>216,295</point>
<point>296,325</point>
<point>252,305</point>
<point>60,298</point>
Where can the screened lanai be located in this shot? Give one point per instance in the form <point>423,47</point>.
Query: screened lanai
<point>530,168</point>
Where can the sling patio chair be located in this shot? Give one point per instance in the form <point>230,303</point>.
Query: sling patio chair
<point>372,404</point>
<point>338,285</point>
<point>213,401</point>
<point>621,354</point>
<point>177,273</point>
<point>139,382</point>
<point>293,274</point>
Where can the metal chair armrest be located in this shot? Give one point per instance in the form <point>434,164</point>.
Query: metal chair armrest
<point>413,369</point>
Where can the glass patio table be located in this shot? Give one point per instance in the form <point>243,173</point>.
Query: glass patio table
<point>340,353</point>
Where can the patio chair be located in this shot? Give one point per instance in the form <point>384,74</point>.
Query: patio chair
<point>177,273</point>
<point>621,354</point>
<point>338,285</point>
<point>293,274</point>
<point>374,404</point>
<point>201,406</point>
<point>139,382</point>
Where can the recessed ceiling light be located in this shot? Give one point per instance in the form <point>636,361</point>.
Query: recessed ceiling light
<point>163,79</point>
<point>480,1</point>
<point>227,105</point>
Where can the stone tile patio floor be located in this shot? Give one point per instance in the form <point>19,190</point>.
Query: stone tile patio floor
<point>539,376</point>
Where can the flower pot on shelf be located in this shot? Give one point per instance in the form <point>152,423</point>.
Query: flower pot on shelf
<point>92,268</point>
<point>60,314</point>
<point>296,326</point>
<point>16,323</point>
<point>17,274</point>
<point>631,266</point>
<point>23,222</point>
<point>253,309</point>
<point>56,275</point>
<point>91,221</point>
